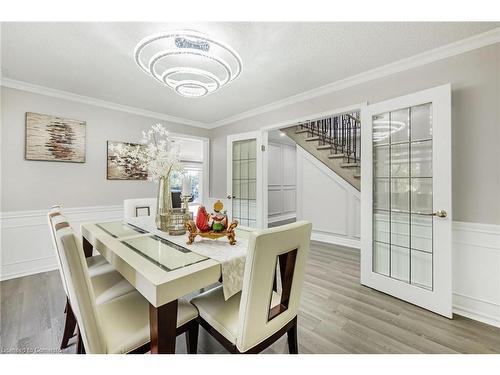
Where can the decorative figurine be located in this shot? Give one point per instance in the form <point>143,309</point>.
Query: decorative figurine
<point>212,225</point>
<point>218,220</point>
<point>202,218</point>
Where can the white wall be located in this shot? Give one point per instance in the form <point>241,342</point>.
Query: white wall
<point>31,185</point>
<point>330,203</point>
<point>29,188</point>
<point>282,181</point>
<point>475,83</point>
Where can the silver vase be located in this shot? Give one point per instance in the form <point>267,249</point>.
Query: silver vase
<point>164,206</point>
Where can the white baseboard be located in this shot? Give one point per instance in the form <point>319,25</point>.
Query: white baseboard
<point>26,245</point>
<point>28,267</point>
<point>335,239</point>
<point>477,309</point>
<point>283,217</point>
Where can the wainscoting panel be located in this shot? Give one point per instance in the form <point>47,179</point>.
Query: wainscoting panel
<point>275,205</point>
<point>27,249</point>
<point>26,244</point>
<point>326,200</point>
<point>282,182</point>
<point>476,271</point>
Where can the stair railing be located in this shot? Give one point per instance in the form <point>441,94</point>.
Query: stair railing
<point>342,133</point>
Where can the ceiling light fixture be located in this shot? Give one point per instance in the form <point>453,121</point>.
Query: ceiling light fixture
<point>383,128</point>
<point>189,62</point>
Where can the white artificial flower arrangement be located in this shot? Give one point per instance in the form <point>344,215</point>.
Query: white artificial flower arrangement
<point>158,154</point>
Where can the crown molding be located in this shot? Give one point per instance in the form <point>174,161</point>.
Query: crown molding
<point>456,48</point>
<point>30,87</point>
<point>439,53</point>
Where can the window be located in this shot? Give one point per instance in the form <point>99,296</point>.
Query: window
<point>195,172</point>
<point>193,161</point>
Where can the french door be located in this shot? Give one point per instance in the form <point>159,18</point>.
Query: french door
<point>244,179</point>
<point>406,198</point>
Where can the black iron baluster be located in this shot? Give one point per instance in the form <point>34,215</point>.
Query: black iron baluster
<point>354,142</point>
<point>343,135</point>
<point>335,133</point>
<point>330,135</point>
<point>323,130</point>
<point>320,132</point>
<point>349,148</point>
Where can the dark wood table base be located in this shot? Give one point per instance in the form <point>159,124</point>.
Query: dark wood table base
<point>163,327</point>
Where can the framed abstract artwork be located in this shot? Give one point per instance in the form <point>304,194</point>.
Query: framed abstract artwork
<point>53,138</point>
<point>127,169</point>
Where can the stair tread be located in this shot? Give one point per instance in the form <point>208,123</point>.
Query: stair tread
<point>349,165</point>
<point>301,131</point>
<point>324,147</point>
<point>336,156</point>
<point>309,139</point>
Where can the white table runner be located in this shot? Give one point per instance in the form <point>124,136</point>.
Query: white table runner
<point>231,257</point>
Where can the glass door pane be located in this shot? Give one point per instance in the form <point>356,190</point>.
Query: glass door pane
<point>402,195</point>
<point>244,202</point>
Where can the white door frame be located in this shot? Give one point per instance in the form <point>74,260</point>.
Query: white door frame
<point>285,124</point>
<point>440,299</point>
<point>260,196</point>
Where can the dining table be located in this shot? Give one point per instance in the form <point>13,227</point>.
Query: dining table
<point>164,268</point>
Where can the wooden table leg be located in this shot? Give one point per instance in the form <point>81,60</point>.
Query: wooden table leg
<point>88,249</point>
<point>69,325</point>
<point>163,326</point>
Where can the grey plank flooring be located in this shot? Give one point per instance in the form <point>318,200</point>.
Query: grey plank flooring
<point>282,222</point>
<point>337,315</point>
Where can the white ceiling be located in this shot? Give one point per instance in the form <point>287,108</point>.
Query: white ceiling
<point>277,137</point>
<point>279,59</point>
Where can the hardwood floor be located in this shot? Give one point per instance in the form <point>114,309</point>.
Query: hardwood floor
<point>337,315</point>
<point>281,222</point>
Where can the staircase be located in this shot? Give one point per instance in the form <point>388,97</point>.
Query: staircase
<point>335,141</point>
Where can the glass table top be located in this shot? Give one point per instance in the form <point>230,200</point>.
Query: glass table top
<point>163,253</point>
<point>119,229</point>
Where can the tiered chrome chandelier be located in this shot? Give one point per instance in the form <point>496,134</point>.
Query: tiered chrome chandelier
<point>189,62</point>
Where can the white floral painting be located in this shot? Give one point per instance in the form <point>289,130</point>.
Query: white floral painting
<point>125,166</point>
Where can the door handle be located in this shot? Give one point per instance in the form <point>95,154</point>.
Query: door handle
<point>440,213</point>
<point>231,197</point>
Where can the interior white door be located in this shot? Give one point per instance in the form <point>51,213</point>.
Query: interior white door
<point>244,179</point>
<point>406,198</point>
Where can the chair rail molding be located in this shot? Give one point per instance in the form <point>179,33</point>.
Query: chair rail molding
<point>26,245</point>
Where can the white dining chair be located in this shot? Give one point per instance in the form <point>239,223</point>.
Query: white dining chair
<point>120,325</point>
<point>139,207</point>
<point>106,282</point>
<point>258,316</point>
